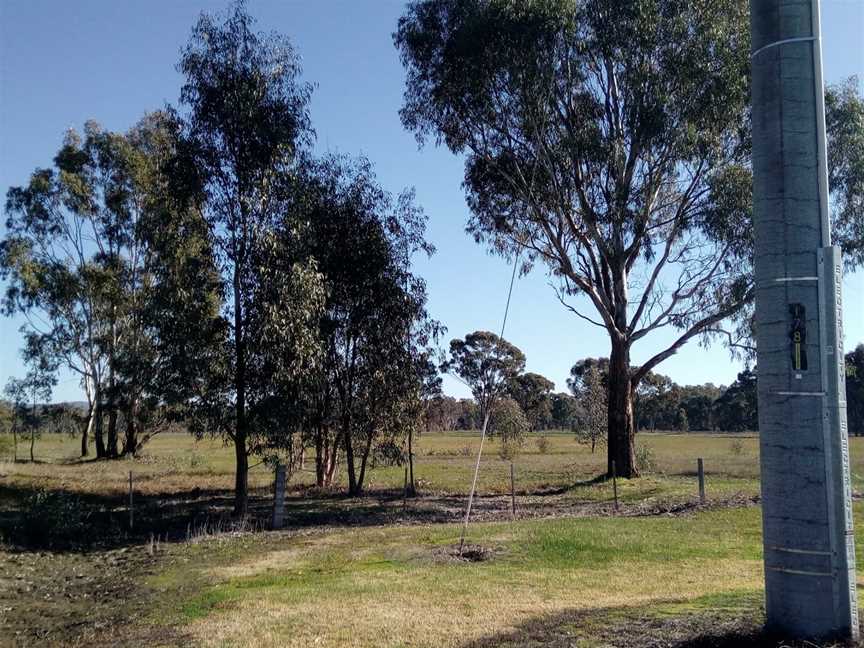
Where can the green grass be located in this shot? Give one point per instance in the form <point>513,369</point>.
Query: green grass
<point>559,581</point>
<point>387,587</point>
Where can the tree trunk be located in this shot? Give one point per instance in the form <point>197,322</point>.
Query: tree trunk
<point>321,456</point>
<point>241,483</point>
<point>349,461</point>
<point>111,446</point>
<point>621,425</point>
<point>85,431</point>
<point>15,443</point>
<point>362,476</point>
<point>130,443</point>
<point>332,463</point>
<point>33,431</point>
<point>97,429</point>
<point>412,489</point>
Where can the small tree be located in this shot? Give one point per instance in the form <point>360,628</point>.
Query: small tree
<point>592,393</point>
<point>508,422</point>
<point>37,385</point>
<point>487,363</point>
<point>16,391</point>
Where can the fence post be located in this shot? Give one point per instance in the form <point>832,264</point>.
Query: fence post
<point>615,486</point>
<point>278,518</point>
<point>700,469</point>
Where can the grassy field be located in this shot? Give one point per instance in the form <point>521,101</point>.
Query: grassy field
<point>378,571</point>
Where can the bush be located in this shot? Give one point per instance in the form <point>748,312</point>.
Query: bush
<point>542,444</point>
<point>737,447</point>
<point>509,449</point>
<point>645,460</point>
<point>52,519</point>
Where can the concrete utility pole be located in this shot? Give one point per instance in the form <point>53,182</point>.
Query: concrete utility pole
<point>806,493</point>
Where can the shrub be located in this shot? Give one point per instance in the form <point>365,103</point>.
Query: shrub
<point>737,447</point>
<point>645,460</point>
<point>542,444</point>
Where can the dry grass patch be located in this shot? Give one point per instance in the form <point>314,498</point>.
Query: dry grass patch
<point>383,587</point>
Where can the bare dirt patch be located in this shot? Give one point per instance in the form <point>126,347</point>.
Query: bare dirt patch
<point>468,553</point>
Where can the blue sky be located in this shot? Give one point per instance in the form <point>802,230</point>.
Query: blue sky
<point>62,63</point>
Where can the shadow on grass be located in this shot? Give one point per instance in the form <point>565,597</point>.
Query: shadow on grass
<point>732,620</point>
<point>62,520</point>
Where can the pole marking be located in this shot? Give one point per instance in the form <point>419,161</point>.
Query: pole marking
<point>798,393</point>
<point>799,39</point>
<point>801,572</point>
<point>809,552</point>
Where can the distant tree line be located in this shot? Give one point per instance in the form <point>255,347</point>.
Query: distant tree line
<point>660,403</point>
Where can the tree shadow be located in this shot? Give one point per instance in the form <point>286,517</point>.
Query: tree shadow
<point>64,520</point>
<point>641,627</point>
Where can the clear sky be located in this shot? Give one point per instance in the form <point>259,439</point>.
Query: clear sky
<point>62,63</point>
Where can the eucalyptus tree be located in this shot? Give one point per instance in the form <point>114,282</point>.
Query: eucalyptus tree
<point>487,363</point>
<point>246,119</point>
<point>56,273</point>
<point>605,140</point>
<point>38,383</point>
<point>609,141</point>
<point>533,394</point>
<point>15,391</point>
<point>79,259</point>
<point>592,393</point>
<point>374,330</point>
<point>844,122</point>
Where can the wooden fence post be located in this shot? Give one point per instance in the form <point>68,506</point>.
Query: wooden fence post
<point>278,519</point>
<point>700,469</point>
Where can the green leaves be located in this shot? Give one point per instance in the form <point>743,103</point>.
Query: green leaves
<point>487,364</point>
<point>844,117</point>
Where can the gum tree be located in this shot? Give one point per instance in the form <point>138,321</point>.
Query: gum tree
<point>605,140</point>
<point>247,119</point>
<point>487,363</point>
<point>608,141</point>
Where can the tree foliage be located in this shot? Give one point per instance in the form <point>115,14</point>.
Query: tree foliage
<point>607,141</point>
<point>532,392</point>
<point>844,121</point>
<point>591,391</point>
<point>487,363</point>
<point>855,390</point>
<point>247,119</point>
<point>374,330</point>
